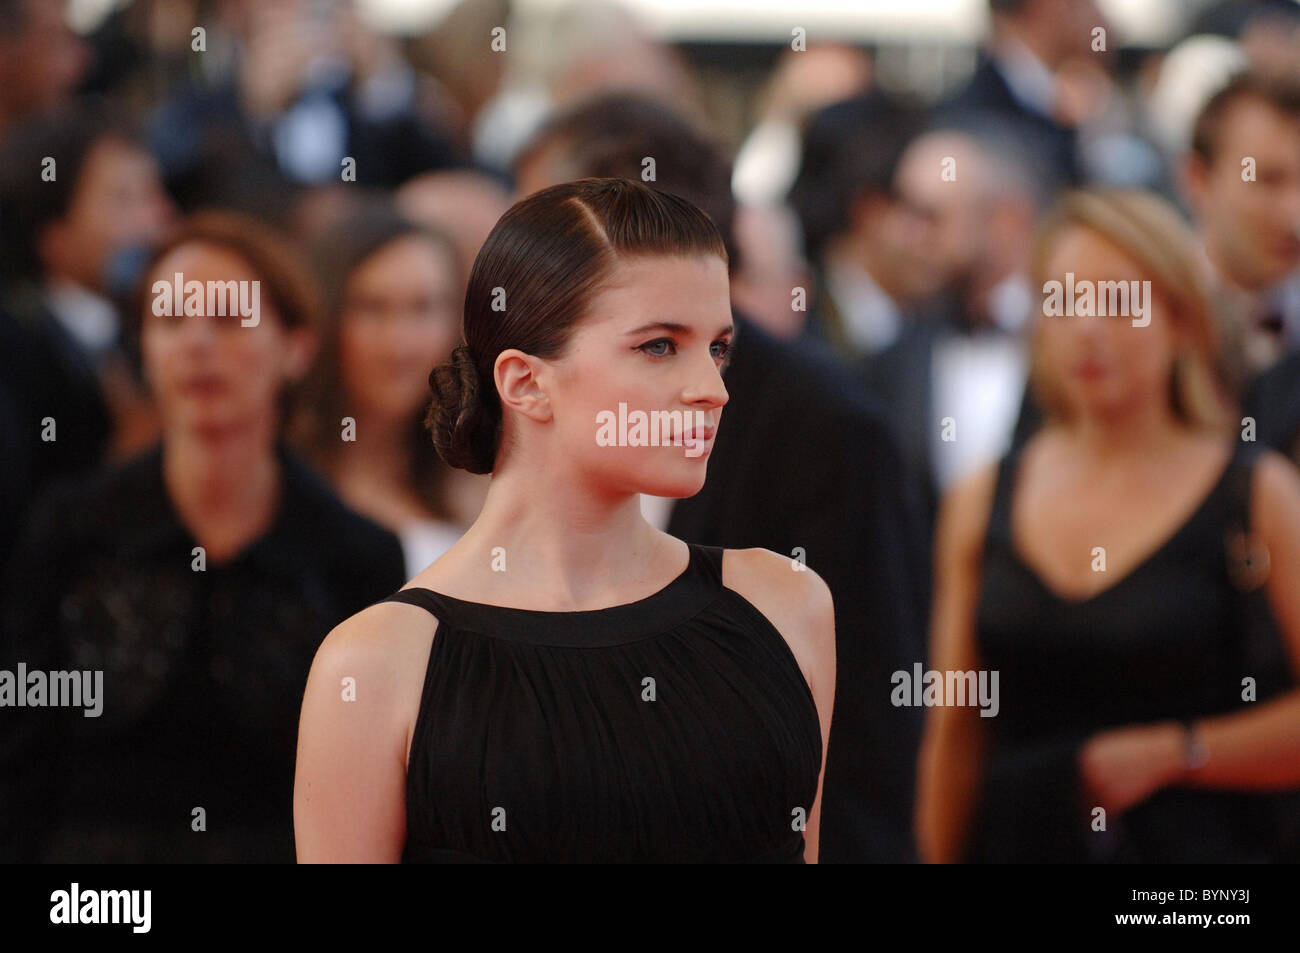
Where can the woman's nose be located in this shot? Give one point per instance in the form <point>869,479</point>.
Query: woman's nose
<point>198,330</point>
<point>708,388</point>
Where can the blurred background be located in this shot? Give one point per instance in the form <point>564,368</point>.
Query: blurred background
<point>354,155</point>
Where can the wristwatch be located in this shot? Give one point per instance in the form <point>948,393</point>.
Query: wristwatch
<point>1195,753</point>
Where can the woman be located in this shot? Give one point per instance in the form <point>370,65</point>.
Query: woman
<point>1089,570</point>
<point>199,578</point>
<point>567,683</point>
<point>391,314</point>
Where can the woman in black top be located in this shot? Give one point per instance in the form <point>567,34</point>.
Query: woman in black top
<point>567,683</point>
<point>199,578</point>
<point>1091,569</point>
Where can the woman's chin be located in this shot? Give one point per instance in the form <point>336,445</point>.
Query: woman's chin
<point>675,487</point>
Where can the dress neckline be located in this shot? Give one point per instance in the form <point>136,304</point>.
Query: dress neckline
<point>682,598</point>
<point>1012,471</point>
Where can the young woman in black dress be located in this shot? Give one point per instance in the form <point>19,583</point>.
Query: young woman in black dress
<point>1090,568</point>
<point>567,683</point>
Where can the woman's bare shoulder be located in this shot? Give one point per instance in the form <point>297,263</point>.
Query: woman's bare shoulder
<point>791,596</point>
<point>775,578</point>
<point>965,508</point>
<point>1275,491</point>
<point>375,659</point>
<point>383,643</point>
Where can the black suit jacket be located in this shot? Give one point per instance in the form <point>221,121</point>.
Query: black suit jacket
<point>986,105</point>
<point>1273,399</point>
<point>212,153</point>
<point>902,377</point>
<point>805,459</point>
<point>43,373</point>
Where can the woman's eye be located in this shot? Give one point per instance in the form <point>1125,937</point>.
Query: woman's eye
<point>722,348</point>
<point>651,347</point>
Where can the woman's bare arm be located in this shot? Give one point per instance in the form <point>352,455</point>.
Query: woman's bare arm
<point>349,798</point>
<point>952,746</point>
<point>819,628</point>
<point>1259,747</point>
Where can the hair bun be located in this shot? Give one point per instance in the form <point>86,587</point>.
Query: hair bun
<point>464,416</point>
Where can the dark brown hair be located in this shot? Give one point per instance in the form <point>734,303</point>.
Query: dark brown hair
<point>72,134</point>
<point>612,133</point>
<point>1283,95</point>
<point>531,284</point>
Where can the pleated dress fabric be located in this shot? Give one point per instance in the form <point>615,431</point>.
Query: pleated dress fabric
<point>675,729</point>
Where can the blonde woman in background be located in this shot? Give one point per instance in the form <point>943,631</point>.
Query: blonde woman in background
<point>1089,569</point>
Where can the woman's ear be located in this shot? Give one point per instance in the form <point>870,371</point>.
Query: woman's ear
<point>518,380</point>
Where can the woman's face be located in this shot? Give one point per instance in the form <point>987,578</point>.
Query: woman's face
<point>400,318</point>
<point>1104,365</point>
<point>213,373</point>
<point>652,341</point>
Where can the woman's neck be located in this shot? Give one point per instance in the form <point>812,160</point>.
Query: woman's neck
<point>380,452</point>
<point>560,540</point>
<point>224,487</point>
<point>374,473</point>
<point>1143,430</point>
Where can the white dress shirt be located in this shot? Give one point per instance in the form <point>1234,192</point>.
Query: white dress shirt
<point>871,318</point>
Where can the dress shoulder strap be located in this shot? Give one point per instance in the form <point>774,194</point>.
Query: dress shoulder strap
<point>1000,510</point>
<point>426,599</point>
<point>694,587</point>
<point>1248,562</point>
<point>1240,469</point>
<point>707,562</point>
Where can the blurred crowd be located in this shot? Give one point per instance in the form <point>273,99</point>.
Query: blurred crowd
<point>191,505</point>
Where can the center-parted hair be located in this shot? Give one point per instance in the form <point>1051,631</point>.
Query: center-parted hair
<point>533,281</point>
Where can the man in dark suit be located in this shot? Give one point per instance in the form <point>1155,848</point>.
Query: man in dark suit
<point>962,355</point>
<point>1248,218</point>
<point>867,265</point>
<point>806,465</point>
<point>1014,92</point>
<point>1250,228</point>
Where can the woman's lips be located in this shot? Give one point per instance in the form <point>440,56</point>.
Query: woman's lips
<point>204,386</point>
<point>701,434</point>
<point>1090,369</point>
<point>698,443</point>
<point>1287,247</point>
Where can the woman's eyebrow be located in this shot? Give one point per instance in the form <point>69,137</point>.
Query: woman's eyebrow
<point>678,328</point>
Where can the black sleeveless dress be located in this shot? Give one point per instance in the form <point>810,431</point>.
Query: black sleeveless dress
<point>678,728</point>
<point>1165,641</point>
